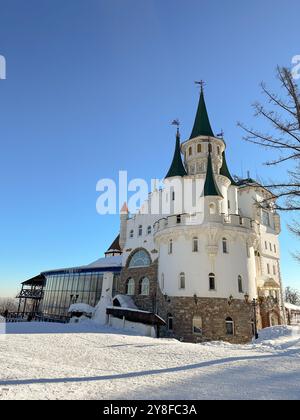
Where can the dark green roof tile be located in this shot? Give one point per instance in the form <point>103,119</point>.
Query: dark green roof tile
<point>202,125</point>
<point>210,186</point>
<point>177,168</point>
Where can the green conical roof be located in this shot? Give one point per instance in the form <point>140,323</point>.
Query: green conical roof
<point>177,168</point>
<point>225,171</point>
<point>202,125</point>
<point>210,185</point>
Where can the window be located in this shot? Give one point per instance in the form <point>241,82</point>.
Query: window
<point>139,259</point>
<point>149,230</point>
<point>178,219</point>
<point>199,149</point>
<point>173,195</point>
<point>228,204</point>
<point>275,249</point>
<point>190,151</point>
<point>170,322</point>
<point>248,250</point>
<point>225,247</point>
<point>195,245</point>
<point>212,208</point>
<point>229,326</point>
<point>182,281</point>
<point>212,281</point>
<point>270,246</point>
<point>265,218</point>
<point>145,286</point>
<point>170,246</point>
<point>197,325</point>
<point>274,270</point>
<point>140,230</point>
<point>162,281</point>
<point>266,245</point>
<point>131,234</point>
<point>130,287</point>
<point>240,284</point>
<point>268,268</point>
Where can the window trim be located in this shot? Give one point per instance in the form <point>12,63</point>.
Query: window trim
<point>212,276</point>
<point>230,321</point>
<point>182,278</point>
<point>195,242</point>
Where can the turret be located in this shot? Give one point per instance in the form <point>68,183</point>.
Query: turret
<point>123,225</point>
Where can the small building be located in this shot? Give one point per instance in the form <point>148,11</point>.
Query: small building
<point>292,313</point>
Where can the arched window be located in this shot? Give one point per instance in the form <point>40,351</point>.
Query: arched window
<point>225,246</point>
<point>145,286</point>
<point>212,208</point>
<point>197,325</point>
<point>140,230</point>
<point>240,284</point>
<point>229,326</point>
<point>182,281</point>
<point>139,259</point>
<point>130,287</point>
<point>195,244</point>
<point>212,281</point>
<point>162,284</point>
<point>170,250</point>
<point>190,151</point>
<point>199,148</point>
<point>149,230</point>
<point>131,234</point>
<point>170,322</point>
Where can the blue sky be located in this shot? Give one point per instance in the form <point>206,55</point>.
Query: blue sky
<point>91,89</point>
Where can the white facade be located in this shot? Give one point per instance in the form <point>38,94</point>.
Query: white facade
<point>222,245</point>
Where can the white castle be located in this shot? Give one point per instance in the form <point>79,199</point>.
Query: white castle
<point>212,263</point>
<point>204,266</point>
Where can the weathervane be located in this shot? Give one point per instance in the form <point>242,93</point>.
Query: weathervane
<point>201,83</point>
<point>221,134</point>
<point>177,124</point>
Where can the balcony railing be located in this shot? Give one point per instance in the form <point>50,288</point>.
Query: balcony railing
<point>197,219</point>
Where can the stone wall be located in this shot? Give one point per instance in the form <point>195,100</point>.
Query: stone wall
<point>213,311</point>
<point>146,303</point>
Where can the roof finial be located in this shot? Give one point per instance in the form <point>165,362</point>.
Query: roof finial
<point>177,123</point>
<point>201,83</point>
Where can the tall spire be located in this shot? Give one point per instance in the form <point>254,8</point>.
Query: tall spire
<point>177,168</point>
<point>202,125</point>
<point>225,171</point>
<point>210,185</point>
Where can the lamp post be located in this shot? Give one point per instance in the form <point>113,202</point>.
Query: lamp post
<point>254,304</point>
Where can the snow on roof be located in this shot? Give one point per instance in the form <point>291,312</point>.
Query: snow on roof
<point>115,261</point>
<point>291,306</point>
<point>81,307</point>
<point>126,301</point>
<point>105,263</point>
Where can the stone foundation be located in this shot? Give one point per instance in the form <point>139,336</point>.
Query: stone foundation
<point>213,311</point>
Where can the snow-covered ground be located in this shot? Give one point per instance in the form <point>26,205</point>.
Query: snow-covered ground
<point>52,361</point>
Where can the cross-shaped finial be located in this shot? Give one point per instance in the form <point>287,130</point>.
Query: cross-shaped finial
<point>201,83</point>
